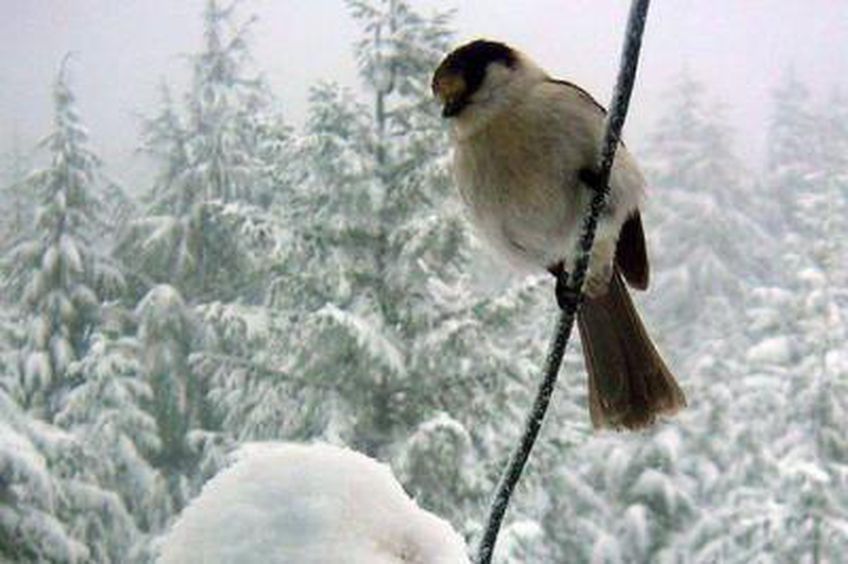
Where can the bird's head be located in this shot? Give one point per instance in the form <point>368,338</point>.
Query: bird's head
<point>480,78</point>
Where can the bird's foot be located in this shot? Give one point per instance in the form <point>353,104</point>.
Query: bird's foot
<point>565,296</point>
<point>589,177</point>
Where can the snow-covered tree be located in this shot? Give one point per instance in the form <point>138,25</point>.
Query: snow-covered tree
<point>52,507</point>
<point>29,495</point>
<point>167,334</point>
<point>778,482</point>
<point>794,146</point>
<point>107,412</point>
<point>221,156</point>
<point>16,201</point>
<point>701,205</point>
<point>623,501</point>
<point>810,452</point>
<point>55,269</point>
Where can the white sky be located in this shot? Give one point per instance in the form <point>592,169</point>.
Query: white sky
<point>124,47</point>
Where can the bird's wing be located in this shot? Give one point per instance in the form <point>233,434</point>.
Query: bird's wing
<point>631,256</point>
<point>580,92</point>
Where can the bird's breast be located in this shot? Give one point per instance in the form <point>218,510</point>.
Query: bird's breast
<point>521,193</point>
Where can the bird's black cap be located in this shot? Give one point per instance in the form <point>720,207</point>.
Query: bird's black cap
<point>469,63</point>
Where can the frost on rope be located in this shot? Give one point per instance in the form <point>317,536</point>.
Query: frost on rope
<point>282,502</point>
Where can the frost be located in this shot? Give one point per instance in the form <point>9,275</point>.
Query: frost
<point>294,503</point>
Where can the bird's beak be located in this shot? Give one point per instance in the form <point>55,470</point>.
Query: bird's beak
<point>449,89</point>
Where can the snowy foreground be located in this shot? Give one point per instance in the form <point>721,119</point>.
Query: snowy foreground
<point>283,502</point>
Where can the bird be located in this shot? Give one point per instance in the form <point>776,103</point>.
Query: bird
<point>525,151</point>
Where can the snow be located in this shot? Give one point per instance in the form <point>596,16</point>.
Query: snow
<point>442,422</point>
<point>21,462</point>
<point>163,297</point>
<point>368,336</point>
<point>70,253</point>
<point>772,350</point>
<point>606,550</point>
<point>656,486</point>
<point>515,537</point>
<point>284,502</point>
<point>37,370</point>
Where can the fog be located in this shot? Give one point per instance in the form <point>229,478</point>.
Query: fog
<point>121,51</point>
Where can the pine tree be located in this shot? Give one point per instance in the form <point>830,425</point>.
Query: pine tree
<point>794,146</point>
<point>30,495</point>
<point>810,452</point>
<point>16,201</point>
<point>107,412</point>
<point>61,275</point>
<point>55,269</point>
<point>189,451</point>
<point>702,205</point>
<point>221,156</point>
<point>777,482</point>
<point>203,242</point>
<point>53,506</point>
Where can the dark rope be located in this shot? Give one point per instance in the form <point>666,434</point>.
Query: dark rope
<point>573,295</point>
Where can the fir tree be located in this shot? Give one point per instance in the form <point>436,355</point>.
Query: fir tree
<point>794,147</point>
<point>188,453</point>
<point>107,412</point>
<point>703,202</point>
<point>810,452</point>
<point>16,199</point>
<point>29,495</point>
<point>221,156</point>
<point>55,269</point>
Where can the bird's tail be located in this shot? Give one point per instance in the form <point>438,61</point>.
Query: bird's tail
<point>629,384</point>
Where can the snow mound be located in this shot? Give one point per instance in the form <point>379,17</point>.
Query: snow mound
<point>284,502</point>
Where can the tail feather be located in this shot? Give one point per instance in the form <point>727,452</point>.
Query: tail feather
<point>629,384</point>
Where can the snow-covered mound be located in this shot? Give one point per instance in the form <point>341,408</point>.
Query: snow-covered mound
<point>283,502</point>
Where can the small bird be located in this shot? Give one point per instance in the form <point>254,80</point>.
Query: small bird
<point>525,151</point>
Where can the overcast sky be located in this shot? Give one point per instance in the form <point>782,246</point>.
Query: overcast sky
<point>123,48</point>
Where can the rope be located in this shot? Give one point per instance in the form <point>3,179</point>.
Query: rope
<point>612,132</point>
